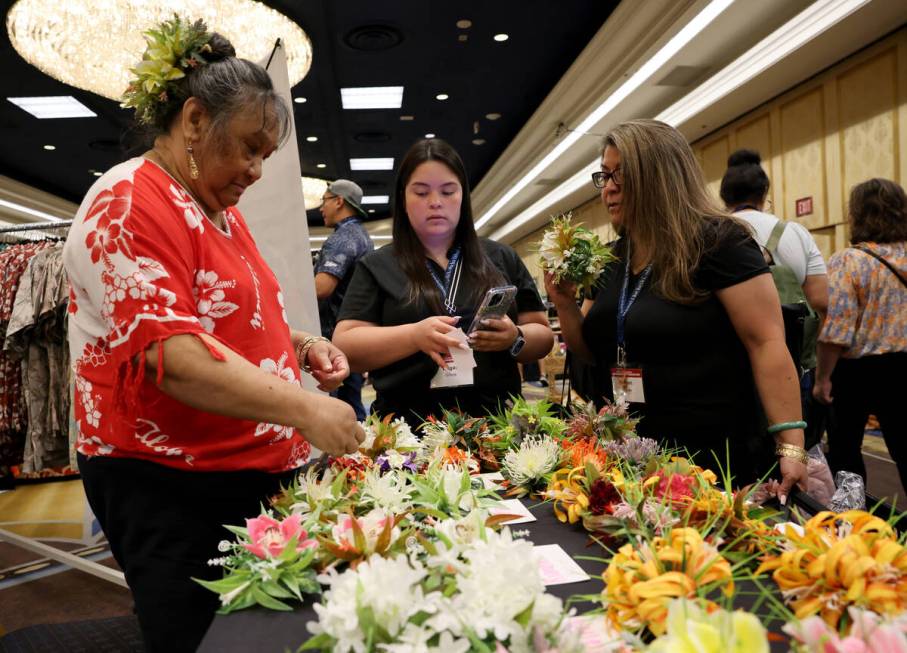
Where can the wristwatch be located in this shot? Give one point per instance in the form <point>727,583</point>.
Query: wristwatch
<point>517,345</point>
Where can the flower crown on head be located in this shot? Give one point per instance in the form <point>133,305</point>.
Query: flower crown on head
<point>176,47</point>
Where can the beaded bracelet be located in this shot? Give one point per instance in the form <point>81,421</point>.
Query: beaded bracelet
<point>786,450</point>
<point>302,351</point>
<point>783,426</point>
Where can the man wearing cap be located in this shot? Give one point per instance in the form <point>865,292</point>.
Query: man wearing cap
<point>341,210</point>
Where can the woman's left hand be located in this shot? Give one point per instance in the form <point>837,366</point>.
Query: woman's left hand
<point>793,472</point>
<point>494,335</point>
<point>328,364</point>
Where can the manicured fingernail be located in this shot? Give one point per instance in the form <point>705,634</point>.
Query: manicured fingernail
<point>783,499</point>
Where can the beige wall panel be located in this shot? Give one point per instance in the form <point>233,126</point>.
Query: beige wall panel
<point>803,158</point>
<point>825,239</point>
<point>757,135</point>
<point>714,163</point>
<point>867,110</point>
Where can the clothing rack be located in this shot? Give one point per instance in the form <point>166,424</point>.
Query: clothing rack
<point>32,544</point>
<point>36,226</point>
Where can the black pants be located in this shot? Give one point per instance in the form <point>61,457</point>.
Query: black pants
<point>163,525</point>
<point>351,392</point>
<point>872,385</point>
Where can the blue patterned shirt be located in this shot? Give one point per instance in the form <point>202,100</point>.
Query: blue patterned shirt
<point>349,242</point>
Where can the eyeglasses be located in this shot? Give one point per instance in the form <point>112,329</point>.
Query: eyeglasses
<point>325,198</point>
<point>600,179</point>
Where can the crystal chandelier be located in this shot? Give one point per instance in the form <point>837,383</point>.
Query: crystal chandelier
<point>92,44</point>
<point>313,190</point>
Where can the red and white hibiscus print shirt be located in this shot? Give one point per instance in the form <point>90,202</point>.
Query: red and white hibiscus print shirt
<point>145,264</point>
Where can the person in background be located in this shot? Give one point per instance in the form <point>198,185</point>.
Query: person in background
<point>863,345</point>
<point>744,190</point>
<point>406,298</point>
<point>188,403</point>
<point>687,317</point>
<point>342,211</point>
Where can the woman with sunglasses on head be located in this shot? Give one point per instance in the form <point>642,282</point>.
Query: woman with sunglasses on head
<point>406,299</point>
<point>687,318</point>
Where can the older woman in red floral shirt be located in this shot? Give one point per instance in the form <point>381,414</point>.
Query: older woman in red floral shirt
<point>188,401</point>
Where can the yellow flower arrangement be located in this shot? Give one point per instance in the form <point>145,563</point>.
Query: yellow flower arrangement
<point>640,583</point>
<point>852,558</point>
<point>567,489</point>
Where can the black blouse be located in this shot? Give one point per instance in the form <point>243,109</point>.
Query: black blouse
<point>379,293</point>
<point>697,377</point>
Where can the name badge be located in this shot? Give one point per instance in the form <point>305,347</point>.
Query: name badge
<point>460,366</point>
<point>626,382</point>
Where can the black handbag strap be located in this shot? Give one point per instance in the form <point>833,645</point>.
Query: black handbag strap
<point>888,265</point>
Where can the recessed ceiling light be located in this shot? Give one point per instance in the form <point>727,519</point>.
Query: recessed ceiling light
<point>478,141</point>
<point>500,38</point>
<point>372,97</point>
<point>377,163</point>
<point>50,147</point>
<point>429,135</point>
<point>442,96</point>
<point>464,23</point>
<point>321,165</point>
<point>97,173</point>
<point>462,38</point>
<point>53,106</point>
<point>312,139</point>
<point>375,199</point>
<point>492,116</point>
<point>300,100</point>
<point>407,117</point>
<point>371,210</point>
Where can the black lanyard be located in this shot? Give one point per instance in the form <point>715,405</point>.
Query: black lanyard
<point>623,307</point>
<point>451,282</point>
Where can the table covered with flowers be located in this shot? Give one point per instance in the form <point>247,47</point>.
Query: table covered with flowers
<point>407,546</point>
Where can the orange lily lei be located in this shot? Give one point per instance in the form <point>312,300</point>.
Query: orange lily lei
<point>640,583</point>
<point>852,558</point>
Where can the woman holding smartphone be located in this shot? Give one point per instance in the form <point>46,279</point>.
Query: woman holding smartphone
<point>406,301</point>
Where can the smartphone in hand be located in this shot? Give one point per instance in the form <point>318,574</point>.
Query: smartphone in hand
<point>495,305</point>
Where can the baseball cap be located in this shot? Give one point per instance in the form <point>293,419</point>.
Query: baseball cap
<point>350,192</point>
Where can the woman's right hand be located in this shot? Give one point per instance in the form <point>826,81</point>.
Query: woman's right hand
<point>430,336</point>
<point>331,425</point>
<point>560,294</point>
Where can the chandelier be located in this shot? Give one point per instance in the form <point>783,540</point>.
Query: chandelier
<point>92,44</point>
<point>313,190</point>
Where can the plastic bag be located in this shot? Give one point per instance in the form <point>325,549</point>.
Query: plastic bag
<point>821,485</point>
<point>851,493</point>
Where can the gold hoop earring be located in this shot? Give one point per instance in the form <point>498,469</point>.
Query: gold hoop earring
<point>193,166</point>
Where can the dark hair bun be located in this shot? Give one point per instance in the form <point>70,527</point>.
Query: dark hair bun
<point>744,158</point>
<point>221,48</point>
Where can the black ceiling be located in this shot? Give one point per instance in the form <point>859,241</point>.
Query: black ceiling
<point>413,43</point>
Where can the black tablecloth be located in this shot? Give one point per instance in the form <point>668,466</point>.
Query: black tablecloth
<point>258,629</point>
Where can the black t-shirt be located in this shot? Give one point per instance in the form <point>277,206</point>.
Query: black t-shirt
<point>379,293</point>
<point>697,377</point>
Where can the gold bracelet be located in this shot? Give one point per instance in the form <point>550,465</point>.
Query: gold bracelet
<point>786,450</point>
<point>302,351</point>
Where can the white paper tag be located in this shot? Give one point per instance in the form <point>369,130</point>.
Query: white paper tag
<point>556,567</point>
<point>513,507</point>
<point>460,365</point>
<point>596,634</point>
<point>490,480</point>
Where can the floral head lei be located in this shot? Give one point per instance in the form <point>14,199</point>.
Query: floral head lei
<point>176,47</point>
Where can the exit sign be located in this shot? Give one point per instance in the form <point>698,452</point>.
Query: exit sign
<point>804,206</point>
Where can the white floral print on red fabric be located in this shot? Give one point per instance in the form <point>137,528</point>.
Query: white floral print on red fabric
<point>299,455</point>
<point>88,401</point>
<point>150,435</point>
<point>278,368</point>
<point>111,208</point>
<point>192,214</point>
<point>210,298</point>
<point>283,308</point>
<point>256,320</point>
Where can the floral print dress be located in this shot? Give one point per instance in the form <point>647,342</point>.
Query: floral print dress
<point>146,264</point>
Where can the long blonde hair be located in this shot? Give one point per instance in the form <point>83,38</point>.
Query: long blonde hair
<point>665,207</point>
